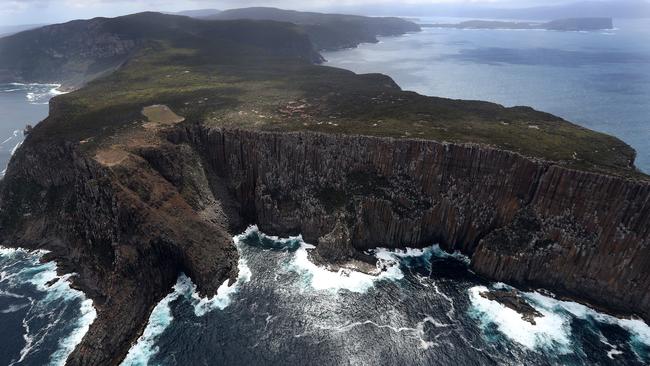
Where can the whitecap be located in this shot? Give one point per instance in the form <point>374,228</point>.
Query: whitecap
<point>552,331</point>
<point>638,329</point>
<point>13,151</point>
<point>223,298</point>
<point>57,294</point>
<point>161,317</point>
<point>88,314</point>
<point>15,134</point>
<point>320,278</point>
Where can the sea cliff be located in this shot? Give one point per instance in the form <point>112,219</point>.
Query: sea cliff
<point>523,221</point>
<point>139,217</point>
<point>149,172</point>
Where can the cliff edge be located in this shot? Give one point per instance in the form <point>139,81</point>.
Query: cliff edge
<point>149,171</point>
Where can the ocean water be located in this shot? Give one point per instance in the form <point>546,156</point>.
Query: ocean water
<point>20,105</point>
<point>426,309</point>
<point>600,80</point>
<point>41,321</point>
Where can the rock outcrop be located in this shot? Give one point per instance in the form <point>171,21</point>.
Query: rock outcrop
<point>124,228</point>
<point>130,219</point>
<point>512,299</point>
<point>523,221</point>
<point>128,201</point>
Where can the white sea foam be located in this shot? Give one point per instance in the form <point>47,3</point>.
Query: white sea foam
<point>638,329</point>
<point>439,252</point>
<point>36,93</point>
<point>67,345</point>
<point>320,278</point>
<point>15,134</point>
<point>39,275</point>
<point>8,252</point>
<point>253,229</point>
<point>384,253</point>
<point>161,317</point>
<point>553,330</point>
<point>550,331</point>
<point>223,298</point>
<point>13,151</point>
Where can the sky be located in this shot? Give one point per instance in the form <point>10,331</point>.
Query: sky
<point>14,12</point>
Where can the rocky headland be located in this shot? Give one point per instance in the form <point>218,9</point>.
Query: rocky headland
<point>149,171</point>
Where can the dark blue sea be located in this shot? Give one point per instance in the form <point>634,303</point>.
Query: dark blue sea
<point>426,309</point>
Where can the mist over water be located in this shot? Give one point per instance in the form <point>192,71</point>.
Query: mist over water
<point>600,80</point>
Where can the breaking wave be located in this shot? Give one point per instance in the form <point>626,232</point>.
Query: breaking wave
<point>34,92</point>
<point>554,330</point>
<point>161,317</point>
<point>321,278</point>
<point>391,262</point>
<point>54,316</point>
<point>551,331</point>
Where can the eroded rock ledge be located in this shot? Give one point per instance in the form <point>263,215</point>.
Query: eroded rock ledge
<point>129,227</point>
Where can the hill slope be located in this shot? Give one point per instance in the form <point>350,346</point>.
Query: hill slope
<point>83,50</point>
<point>209,126</point>
<point>328,31</point>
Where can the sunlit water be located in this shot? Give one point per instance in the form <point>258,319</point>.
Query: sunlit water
<point>426,308</point>
<point>20,105</point>
<point>600,80</point>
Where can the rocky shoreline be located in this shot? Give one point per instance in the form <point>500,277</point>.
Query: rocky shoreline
<point>512,299</point>
<point>174,207</point>
<point>128,201</point>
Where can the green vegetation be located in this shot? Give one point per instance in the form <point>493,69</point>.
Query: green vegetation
<point>328,31</point>
<point>271,85</point>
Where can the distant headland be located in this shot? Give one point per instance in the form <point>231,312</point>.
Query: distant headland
<point>571,24</point>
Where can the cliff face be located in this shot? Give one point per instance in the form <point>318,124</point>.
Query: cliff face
<point>125,229</point>
<point>83,50</point>
<point>522,221</point>
<point>128,219</point>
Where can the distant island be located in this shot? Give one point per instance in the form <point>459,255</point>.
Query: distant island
<point>182,132</point>
<point>567,25</point>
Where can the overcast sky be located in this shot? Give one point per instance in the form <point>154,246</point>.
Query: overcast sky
<point>53,11</point>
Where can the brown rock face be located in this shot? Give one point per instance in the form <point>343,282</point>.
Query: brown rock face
<point>127,230</point>
<point>130,218</point>
<point>525,222</point>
